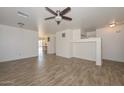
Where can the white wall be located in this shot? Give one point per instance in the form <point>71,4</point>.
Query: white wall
<point>51,45</point>
<point>91,34</point>
<point>85,50</point>
<point>66,47</point>
<point>16,43</point>
<point>76,34</point>
<point>63,45</point>
<point>112,43</point>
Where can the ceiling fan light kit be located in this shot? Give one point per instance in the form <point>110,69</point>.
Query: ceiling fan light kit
<point>59,15</point>
<point>58,18</point>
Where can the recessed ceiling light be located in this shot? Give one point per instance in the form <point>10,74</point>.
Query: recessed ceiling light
<point>22,14</point>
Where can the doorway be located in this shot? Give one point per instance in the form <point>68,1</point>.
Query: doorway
<point>42,46</point>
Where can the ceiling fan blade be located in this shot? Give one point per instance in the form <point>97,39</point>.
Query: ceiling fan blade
<point>51,11</point>
<point>66,10</point>
<point>67,18</point>
<point>50,18</point>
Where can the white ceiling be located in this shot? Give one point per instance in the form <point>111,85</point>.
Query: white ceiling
<point>83,17</point>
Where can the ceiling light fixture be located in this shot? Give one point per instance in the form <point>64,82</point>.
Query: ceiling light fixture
<point>58,18</point>
<point>112,25</point>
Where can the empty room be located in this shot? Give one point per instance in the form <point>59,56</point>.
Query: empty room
<point>61,46</point>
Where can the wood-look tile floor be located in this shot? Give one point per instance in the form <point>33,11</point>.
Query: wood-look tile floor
<point>54,70</point>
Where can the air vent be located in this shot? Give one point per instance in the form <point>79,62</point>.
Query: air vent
<point>20,24</point>
<point>22,14</point>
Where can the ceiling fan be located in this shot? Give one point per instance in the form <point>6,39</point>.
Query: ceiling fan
<point>59,15</point>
